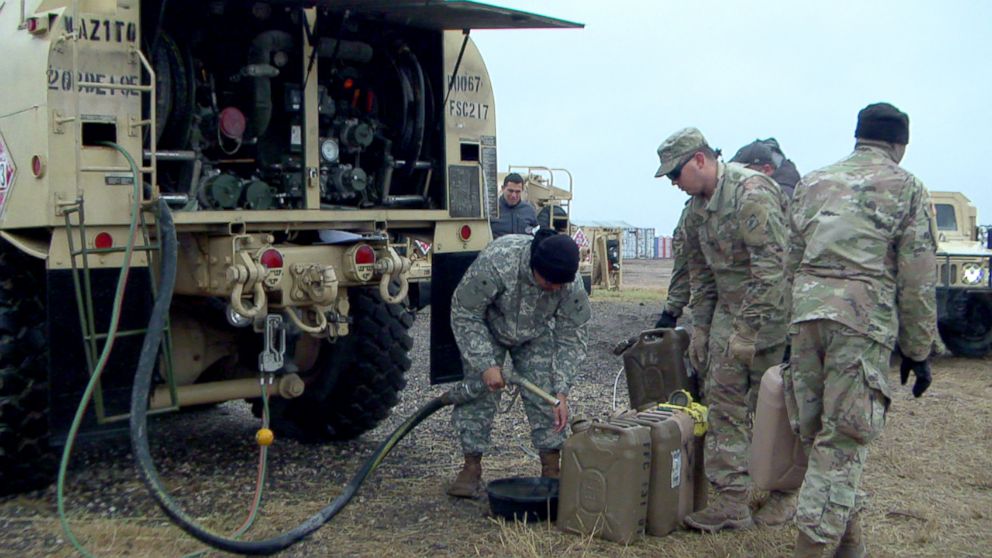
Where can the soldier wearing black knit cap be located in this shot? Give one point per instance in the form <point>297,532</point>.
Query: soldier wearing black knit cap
<point>521,296</point>
<point>863,263</point>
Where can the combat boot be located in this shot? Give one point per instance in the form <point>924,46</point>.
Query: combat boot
<point>550,463</point>
<point>807,547</point>
<point>728,510</point>
<point>852,544</point>
<point>468,483</point>
<point>779,508</point>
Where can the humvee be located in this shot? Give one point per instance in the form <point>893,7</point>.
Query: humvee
<point>964,286</point>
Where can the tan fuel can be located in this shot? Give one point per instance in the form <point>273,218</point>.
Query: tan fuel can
<point>670,492</point>
<point>604,481</point>
<point>778,460</point>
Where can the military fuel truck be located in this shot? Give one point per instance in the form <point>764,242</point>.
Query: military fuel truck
<point>303,149</point>
<point>964,285</point>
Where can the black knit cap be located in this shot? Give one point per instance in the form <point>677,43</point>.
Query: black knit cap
<point>883,122</point>
<point>554,256</point>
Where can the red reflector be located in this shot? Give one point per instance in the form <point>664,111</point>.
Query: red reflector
<point>271,259</point>
<point>37,167</point>
<point>32,25</point>
<point>465,232</point>
<point>365,255</point>
<point>103,241</point>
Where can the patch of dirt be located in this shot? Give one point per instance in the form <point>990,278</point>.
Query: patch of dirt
<point>927,477</point>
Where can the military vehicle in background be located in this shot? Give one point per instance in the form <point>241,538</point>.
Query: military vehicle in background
<point>601,248</point>
<point>964,284</point>
<point>307,149</point>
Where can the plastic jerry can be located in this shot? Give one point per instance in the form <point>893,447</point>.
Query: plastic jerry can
<point>603,488</point>
<point>670,490</point>
<point>655,366</point>
<point>696,480</point>
<point>778,459</point>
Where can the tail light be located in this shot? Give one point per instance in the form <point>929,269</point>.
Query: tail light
<point>271,259</point>
<point>364,255</point>
<point>465,233</point>
<point>359,263</point>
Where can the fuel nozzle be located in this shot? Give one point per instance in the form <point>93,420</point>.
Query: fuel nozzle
<point>467,390</point>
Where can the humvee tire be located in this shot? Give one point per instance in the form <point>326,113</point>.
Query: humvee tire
<point>360,378</point>
<point>970,333</point>
<point>26,459</point>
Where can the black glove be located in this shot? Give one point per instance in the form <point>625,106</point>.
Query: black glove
<point>921,368</point>
<point>667,320</point>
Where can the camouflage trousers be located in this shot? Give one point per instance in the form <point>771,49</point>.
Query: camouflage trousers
<point>731,392</point>
<point>837,397</point>
<point>473,421</point>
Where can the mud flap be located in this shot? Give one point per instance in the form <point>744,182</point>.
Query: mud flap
<point>447,270</point>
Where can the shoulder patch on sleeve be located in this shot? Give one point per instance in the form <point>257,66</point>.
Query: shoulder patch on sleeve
<point>753,223</point>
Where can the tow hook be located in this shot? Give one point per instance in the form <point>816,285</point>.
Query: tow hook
<point>391,266</point>
<point>247,275</point>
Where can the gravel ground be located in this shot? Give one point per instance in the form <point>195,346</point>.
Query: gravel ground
<point>931,471</point>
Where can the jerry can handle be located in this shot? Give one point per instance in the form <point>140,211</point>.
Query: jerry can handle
<point>603,430</point>
<point>654,335</point>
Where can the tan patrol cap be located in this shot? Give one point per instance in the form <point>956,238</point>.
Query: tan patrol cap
<point>676,147</point>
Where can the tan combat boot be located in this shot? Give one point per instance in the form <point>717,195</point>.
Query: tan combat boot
<point>852,544</point>
<point>728,510</point>
<point>550,463</point>
<point>468,483</point>
<point>778,509</point>
<point>807,547</point>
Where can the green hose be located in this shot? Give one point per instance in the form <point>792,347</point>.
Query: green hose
<point>104,354</point>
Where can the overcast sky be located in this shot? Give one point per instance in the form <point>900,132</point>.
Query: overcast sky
<point>599,100</point>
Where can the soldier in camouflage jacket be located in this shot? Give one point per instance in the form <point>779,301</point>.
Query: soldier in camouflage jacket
<point>521,296</point>
<point>735,245</point>
<point>863,257</point>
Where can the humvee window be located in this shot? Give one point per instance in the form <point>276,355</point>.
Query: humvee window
<point>945,217</point>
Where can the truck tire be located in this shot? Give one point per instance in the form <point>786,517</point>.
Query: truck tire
<point>360,376</point>
<point>970,334</point>
<point>26,459</point>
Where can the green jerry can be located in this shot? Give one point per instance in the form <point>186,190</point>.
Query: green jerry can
<point>655,366</point>
<point>603,488</point>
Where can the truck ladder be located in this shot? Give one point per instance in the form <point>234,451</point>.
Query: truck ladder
<point>149,240</point>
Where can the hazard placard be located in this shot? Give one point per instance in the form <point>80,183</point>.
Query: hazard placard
<point>581,239</point>
<point>7,172</point>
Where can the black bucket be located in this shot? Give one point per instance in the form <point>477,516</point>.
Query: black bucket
<point>524,498</point>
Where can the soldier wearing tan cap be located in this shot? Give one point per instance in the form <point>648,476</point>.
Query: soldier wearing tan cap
<point>735,244</point>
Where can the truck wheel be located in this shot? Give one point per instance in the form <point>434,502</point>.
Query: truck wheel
<point>360,376</point>
<point>970,335</point>
<point>26,460</point>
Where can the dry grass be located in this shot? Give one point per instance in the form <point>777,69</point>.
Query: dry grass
<point>929,477</point>
<point>641,294</point>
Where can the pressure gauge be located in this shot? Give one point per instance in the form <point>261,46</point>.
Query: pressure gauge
<point>329,150</point>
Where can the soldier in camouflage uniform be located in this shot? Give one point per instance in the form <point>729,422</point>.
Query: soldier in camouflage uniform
<point>735,243</point>
<point>863,257</point>
<point>761,155</point>
<point>766,156</point>
<point>678,286</point>
<point>521,296</point>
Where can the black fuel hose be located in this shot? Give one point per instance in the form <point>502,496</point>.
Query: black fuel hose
<point>139,427</point>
